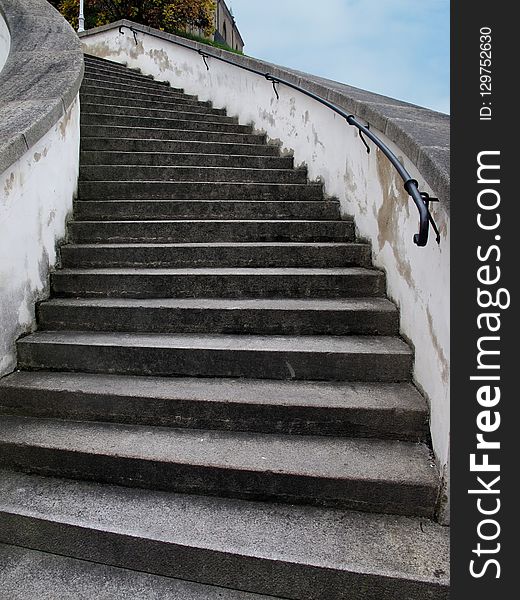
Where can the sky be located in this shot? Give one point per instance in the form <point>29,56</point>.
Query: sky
<point>398,48</point>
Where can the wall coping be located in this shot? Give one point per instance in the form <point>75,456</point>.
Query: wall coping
<point>422,134</point>
<point>41,77</point>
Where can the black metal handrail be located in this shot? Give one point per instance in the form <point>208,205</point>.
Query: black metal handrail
<point>421,199</point>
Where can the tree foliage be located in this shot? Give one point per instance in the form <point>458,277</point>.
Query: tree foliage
<point>167,15</point>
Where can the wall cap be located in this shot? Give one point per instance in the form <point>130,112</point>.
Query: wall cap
<point>41,77</point>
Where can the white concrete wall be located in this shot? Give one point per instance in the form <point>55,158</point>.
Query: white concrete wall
<point>36,195</point>
<point>5,41</point>
<point>367,186</point>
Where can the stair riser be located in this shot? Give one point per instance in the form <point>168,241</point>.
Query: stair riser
<point>144,159</point>
<point>127,83</point>
<point>200,362</point>
<point>147,113</point>
<point>94,144</point>
<point>92,257</point>
<point>111,102</point>
<point>141,190</point>
<point>211,414</point>
<point>128,78</point>
<point>216,125</point>
<point>169,174</point>
<point>152,87</point>
<point>236,321</point>
<point>261,575</point>
<point>215,286</point>
<point>105,89</point>
<point>219,481</point>
<point>95,95</point>
<point>210,231</point>
<point>110,66</point>
<point>189,134</point>
<point>136,211</point>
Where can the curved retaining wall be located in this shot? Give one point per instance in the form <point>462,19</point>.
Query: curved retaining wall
<point>41,70</point>
<point>366,184</point>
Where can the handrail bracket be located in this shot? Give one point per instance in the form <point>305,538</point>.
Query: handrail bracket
<point>427,199</point>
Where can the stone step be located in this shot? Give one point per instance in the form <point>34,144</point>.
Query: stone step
<point>122,101</point>
<point>380,410</point>
<point>178,159</point>
<point>322,358</point>
<point>220,254</point>
<point>128,82</point>
<point>387,476</point>
<point>104,88</point>
<point>219,283</point>
<point>104,63</point>
<point>29,574</point>
<point>195,190</point>
<point>127,76</point>
<point>137,99</point>
<point>295,552</point>
<point>154,87</point>
<point>161,124</point>
<point>363,316</point>
<point>119,210</point>
<point>189,134</point>
<point>190,173</point>
<point>100,144</point>
<point>180,113</point>
<point>117,70</point>
<point>178,231</point>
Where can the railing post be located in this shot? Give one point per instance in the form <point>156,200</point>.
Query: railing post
<point>81,19</point>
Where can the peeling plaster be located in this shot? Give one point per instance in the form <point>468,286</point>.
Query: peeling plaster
<point>9,184</point>
<point>41,185</point>
<point>390,217</point>
<point>267,116</point>
<point>443,361</point>
<point>161,59</point>
<point>39,155</point>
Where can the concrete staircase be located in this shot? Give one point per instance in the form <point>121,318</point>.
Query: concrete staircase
<point>217,392</point>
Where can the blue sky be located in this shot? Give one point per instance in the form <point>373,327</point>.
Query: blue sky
<point>399,48</point>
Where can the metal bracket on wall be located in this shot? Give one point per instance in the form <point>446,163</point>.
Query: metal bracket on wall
<point>427,199</point>
<point>131,29</point>
<point>273,81</point>
<point>204,56</point>
<point>363,139</point>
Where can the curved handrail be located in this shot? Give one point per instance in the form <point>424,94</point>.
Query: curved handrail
<point>421,199</point>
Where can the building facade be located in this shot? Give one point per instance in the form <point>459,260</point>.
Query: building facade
<point>226,30</point>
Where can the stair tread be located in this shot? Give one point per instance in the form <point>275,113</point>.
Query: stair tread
<point>227,271</point>
<point>371,396</point>
<point>28,574</point>
<point>318,203</point>
<point>391,546</point>
<point>351,459</point>
<point>216,221</point>
<point>227,342</point>
<point>221,244</point>
<point>188,167</point>
<point>197,142</point>
<point>311,304</point>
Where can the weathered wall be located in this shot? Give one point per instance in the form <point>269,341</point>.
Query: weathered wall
<point>36,194</point>
<point>5,41</point>
<point>366,184</point>
<point>39,158</point>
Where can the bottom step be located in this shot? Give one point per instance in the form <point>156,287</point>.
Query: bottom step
<point>297,553</point>
<point>29,574</point>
